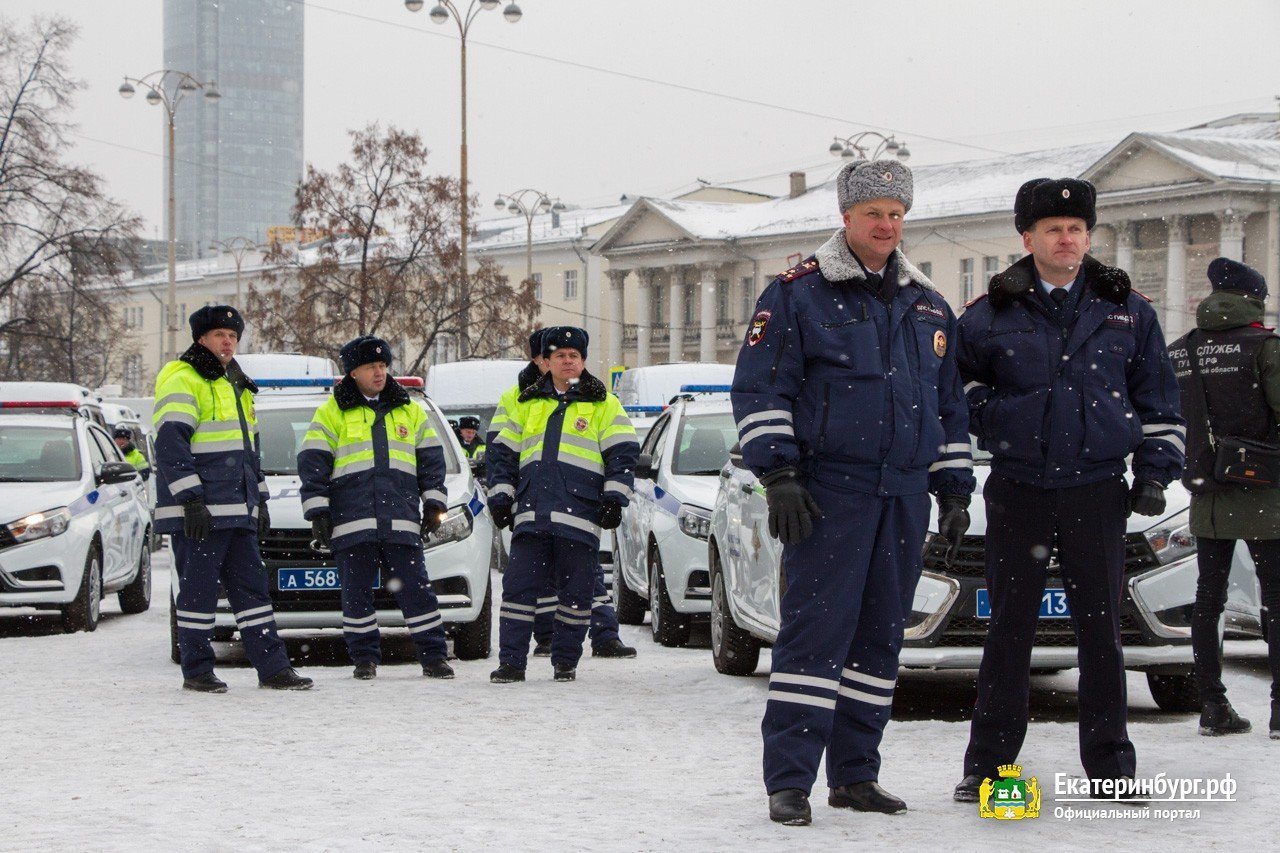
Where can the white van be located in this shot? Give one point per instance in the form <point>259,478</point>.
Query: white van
<point>645,392</point>
<point>471,387</point>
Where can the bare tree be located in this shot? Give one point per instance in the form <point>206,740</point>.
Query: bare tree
<point>387,265</point>
<point>62,240</point>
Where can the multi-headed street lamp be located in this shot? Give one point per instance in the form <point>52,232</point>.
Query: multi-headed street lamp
<point>441,13</point>
<point>856,146</point>
<point>169,87</point>
<point>237,247</point>
<point>528,203</point>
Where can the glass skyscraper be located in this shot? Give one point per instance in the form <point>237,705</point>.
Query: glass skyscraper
<point>239,159</point>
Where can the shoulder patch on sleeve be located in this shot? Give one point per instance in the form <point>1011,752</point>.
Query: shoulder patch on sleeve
<point>798,270</point>
<point>975,300</point>
<point>1137,292</point>
<point>755,332</point>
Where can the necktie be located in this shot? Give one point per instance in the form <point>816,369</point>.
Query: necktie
<point>884,287</point>
<point>1058,295</point>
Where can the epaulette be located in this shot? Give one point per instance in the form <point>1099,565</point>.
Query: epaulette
<point>1140,293</point>
<point>803,268</point>
<point>975,300</point>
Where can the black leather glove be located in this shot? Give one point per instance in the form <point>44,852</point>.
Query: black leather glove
<point>264,520</point>
<point>432,518</point>
<point>197,523</point>
<point>1146,499</point>
<point>610,515</point>
<point>322,530</point>
<point>953,523</point>
<point>500,509</point>
<point>791,508</point>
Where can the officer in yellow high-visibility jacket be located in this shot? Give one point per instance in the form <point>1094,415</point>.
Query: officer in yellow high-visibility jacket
<point>211,497</point>
<point>124,440</point>
<point>372,470</point>
<point>561,469</point>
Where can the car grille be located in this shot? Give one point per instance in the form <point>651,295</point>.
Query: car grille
<point>970,631</point>
<point>293,546</point>
<point>969,562</point>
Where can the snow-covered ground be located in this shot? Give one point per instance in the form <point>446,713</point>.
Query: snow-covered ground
<point>103,751</point>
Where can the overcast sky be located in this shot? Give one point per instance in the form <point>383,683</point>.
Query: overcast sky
<point>588,99</point>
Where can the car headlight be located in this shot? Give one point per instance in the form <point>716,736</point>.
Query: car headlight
<point>1171,539</point>
<point>39,525</point>
<point>455,527</point>
<point>694,521</point>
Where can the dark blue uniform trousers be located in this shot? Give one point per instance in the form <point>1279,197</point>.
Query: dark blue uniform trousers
<point>406,577</point>
<point>1024,522</point>
<point>231,556</point>
<point>604,621</point>
<point>539,560</point>
<point>835,663</point>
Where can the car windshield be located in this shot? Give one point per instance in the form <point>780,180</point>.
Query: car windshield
<point>281,432</point>
<point>31,454</point>
<point>702,445</point>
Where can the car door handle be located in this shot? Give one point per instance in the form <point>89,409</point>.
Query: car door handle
<point>747,488</point>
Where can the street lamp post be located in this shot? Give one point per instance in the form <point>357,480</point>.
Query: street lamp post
<point>528,203</point>
<point>169,87</point>
<point>238,247</point>
<point>856,146</point>
<point>443,12</point>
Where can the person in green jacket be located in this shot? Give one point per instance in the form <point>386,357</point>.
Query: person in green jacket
<point>124,440</point>
<point>1239,367</point>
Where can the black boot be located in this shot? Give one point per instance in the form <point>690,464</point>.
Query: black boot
<point>564,672</point>
<point>865,797</point>
<point>790,807</point>
<point>967,790</point>
<point>1219,718</point>
<point>542,649</point>
<point>286,679</point>
<point>205,682</point>
<point>506,674</point>
<point>614,648</point>
<point>365,671</point>
<point>437,669</point>
<point>1275,719</point>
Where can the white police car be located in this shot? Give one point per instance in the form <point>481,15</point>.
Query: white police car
<point>660,551</point>
<point>304,580</point>
<point>951,610</point>
<point>74,521</point>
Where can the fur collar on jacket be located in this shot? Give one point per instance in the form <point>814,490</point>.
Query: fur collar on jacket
<point>837,263</point>
<point>1109,283</point>
<point>529,375</point>
<point>207,365</point>
<point>588,390</point>
<point>347,394</point>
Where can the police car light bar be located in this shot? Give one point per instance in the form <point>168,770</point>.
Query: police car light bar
<point>641,410</point>
<point>39,404</point>
<point>706,389</point>
<point>411,381</point>
<point>308,382</point>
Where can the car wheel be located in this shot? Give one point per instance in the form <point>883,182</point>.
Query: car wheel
<point>83,612</point>
<point>629,606</point>
<point>735,651</point>
<point>473,641</point>
<point>175,654</point>
<point>136,597</point>
<point>669,626</point>
<point>1174,693</point>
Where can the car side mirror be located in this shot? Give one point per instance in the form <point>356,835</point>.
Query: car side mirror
<point>735,456</point>
<point>114,473</point>
<point>644,466</point>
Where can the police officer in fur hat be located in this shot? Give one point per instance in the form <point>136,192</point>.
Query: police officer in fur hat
<point>211,497</point>
<point>1240,398</point>
<point>123,437</point>
<point>372,470</point>
<point>850,411</point>
<point>1066,375</point>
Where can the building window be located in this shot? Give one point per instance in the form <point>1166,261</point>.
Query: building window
<point>966,279</point>
<point>748,298</point>
<point>926,269</point>
<point>659,303</point>
<point>1014,258</point>
<point>570,284</point>
<point>690,296</point>
<point>537,286</point>
<point>722,301</point>
<point>990,268</point>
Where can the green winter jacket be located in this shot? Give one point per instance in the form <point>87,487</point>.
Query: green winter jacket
<point>1243,512</point>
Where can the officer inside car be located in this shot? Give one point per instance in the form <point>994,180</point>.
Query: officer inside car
<point>1066,375</point>
<point>850,410</point>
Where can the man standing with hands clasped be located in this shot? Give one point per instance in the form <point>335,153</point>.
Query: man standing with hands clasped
<point>1066,375</point>
<point>850,411</point>
<point>372,470</point>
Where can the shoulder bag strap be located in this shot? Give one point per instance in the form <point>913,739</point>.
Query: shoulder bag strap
<point>1197,382</point>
